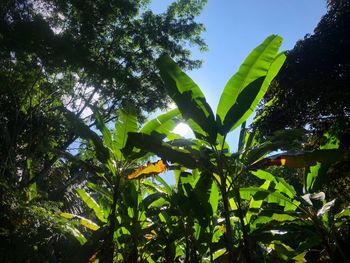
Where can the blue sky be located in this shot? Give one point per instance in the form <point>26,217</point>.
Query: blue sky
<point>235,27</point>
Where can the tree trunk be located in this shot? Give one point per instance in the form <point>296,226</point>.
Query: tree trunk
<point>246,252</point>
<point>108,247</point>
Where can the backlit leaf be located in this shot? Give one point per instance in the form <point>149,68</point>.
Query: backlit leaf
<point>76,233</point>
<point>91,203</point>
<point>82,220</point>
<point>127,122</point>
<point>88,224</point>
<point>149,169</point>
<point>255,66</point>
<point>154,144</point>
<point>214,197</point>
<point>188,97</point>
<point>311,177</point>
<point>304,159</point>
<point>162,124</point>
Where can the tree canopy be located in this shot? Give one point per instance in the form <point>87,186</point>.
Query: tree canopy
<point>312,88</point>
<point>82,55</point>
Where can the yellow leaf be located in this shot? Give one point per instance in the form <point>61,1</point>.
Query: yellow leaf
<point>67,215</point>
<point>89,224</point>
<point>82,220</point>
<point>277,161</point>
<point>151,235</point>
<point>149,169</point>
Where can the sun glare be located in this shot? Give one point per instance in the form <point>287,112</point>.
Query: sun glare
<point>181,129</point>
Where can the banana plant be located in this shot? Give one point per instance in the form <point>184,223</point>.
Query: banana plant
<point>289,224</point>
<point>292,212</point>
<point>209,152</point>
<point>184,215</point>
<point>229,230</point>
<point>115,199</point>
<point>314,223</point>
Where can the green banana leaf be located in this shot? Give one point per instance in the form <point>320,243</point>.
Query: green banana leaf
<point>162,124</point>
<point>280,184</point>
<point>165,185</point>
<point>91,203</point>
<point>258,68</point>
<point>242,107</point>
<point>269,196</point>
<point>188,97</point>
<point>317,174</point>
<point>154,144</point>
<point>104,191</point>
<point>127,122</point>
<point>75,158</point>
<point>82,220</point>
<point>155,199</point>
<point>214,198</point>
<point>312,175</point>
<point>280,140</point>
<point>106,134</point>
<point>77,234</point>
<point>242,135</point>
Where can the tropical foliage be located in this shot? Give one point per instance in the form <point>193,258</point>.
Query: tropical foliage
<point>105,199</point>
<point>225,206</point>
<point>246,212</point>
<point>76,55</point>
<point>80,56</point>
